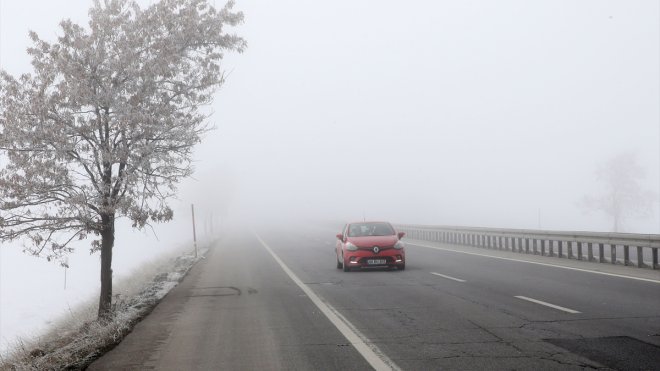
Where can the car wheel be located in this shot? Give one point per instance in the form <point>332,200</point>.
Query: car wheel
<point>346,267</point>
<point>340,265</point>
<point>402,267</point>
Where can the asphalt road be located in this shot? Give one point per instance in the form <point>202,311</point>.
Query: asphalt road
<point>273,300</point>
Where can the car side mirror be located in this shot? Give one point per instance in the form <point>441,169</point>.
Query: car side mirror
<point>401,234</point>
<point>340,236</point>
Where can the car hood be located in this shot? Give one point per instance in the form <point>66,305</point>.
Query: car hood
<point>370,241</point>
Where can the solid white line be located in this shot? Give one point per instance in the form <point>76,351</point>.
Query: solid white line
<point>362,344</point>
<point>548,304</point>
<point>537,263</point>
<point>448,277</point>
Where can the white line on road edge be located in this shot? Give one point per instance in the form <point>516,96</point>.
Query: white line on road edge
<point>537,263</point>
<point>368,350</point>
<point>448,277</point>
<point>548,304</point>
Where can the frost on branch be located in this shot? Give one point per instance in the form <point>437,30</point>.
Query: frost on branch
<point>105,124</point>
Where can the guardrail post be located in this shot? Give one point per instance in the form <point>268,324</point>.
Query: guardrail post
<point>569,250</point>
<point>579,250</point>
<point>654,264</point>
<point>601,252</point>
<point>560,249</point>
<point>640,257</point>
<point>542,247</point>
<point>626,255</point>
<point>534,246</point>
<point>526,245</point>
<point>613,253</point>
<point>590,251</point>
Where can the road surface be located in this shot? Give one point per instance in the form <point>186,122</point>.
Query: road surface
<point>273,300</point>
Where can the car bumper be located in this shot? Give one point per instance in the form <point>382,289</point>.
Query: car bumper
<point>366,258</point>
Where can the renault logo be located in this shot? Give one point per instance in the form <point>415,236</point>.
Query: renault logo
<point>376,249</point>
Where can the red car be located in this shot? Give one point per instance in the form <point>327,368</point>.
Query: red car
<point>370,244</point>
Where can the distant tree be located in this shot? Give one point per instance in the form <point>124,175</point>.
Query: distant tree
<point>105,125</point>
<point>624,196</point>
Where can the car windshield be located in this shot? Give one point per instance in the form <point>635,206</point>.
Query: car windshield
<point>370,229</point>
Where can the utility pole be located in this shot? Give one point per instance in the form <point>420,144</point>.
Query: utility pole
<point>192,208</point>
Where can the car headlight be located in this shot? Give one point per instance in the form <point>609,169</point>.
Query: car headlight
<point>399,245</point>
<point>350,247</point>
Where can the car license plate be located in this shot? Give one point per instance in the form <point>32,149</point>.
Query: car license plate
<point>376,261</point>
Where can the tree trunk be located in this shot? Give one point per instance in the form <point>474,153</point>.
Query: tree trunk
<point>107,242</point>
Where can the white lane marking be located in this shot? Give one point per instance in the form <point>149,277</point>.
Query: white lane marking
<point>548,304</point>
<point>376,358</point>
<point>537,263</point>
<point>448,277</point>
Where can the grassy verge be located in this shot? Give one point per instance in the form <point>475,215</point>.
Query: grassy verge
<point>78,339</point>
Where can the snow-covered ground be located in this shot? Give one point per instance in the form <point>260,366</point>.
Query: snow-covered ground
<point>32,290</point>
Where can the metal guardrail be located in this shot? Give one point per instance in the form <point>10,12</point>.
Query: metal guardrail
<point>548,243</point>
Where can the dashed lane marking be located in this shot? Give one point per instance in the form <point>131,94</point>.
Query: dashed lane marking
<point>548,304</point>
<point>448,277</point>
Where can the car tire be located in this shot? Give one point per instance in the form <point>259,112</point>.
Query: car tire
<point>346,267</point>
<point>402,267</point>
<point>340,265</point>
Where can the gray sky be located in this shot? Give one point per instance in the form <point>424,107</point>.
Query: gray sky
<point>440,112</point>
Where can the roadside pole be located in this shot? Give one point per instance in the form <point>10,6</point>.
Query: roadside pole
<point>192,208</point>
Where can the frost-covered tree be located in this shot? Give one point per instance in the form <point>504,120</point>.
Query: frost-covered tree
<point>105,124</point>
<point>624,196</point>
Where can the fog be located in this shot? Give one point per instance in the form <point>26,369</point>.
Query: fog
<point>473,113</point>
<point>465,113</point>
